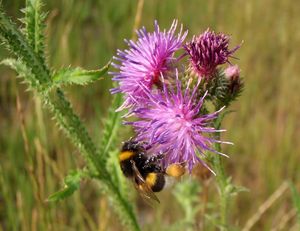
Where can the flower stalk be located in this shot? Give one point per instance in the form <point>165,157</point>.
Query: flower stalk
<point>221,180</point>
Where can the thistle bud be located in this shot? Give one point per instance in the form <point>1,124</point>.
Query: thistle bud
<point>232,74</point>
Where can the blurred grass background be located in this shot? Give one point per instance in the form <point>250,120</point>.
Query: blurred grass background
<point>34,155</point>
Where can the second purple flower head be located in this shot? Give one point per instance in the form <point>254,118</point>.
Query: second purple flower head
<point>207,51</point>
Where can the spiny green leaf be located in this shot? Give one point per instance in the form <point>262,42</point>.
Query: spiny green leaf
<point>78,75</point>
<point>17,43</point>
<point>296,199</point>
<point>233,190</point>
<point>34,26</point>
<point>72,183</point>
<point>22,71</point>
<point>187,195</point>
<point>16,65</point>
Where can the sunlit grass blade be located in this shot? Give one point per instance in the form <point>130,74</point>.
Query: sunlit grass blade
<point>112,123</point>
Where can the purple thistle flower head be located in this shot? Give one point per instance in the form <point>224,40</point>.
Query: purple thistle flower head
<point>145,60</point>
<point>170,123</point>
<point>207,51</point>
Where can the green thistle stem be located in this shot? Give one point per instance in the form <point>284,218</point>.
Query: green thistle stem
<point>78,134</point>
<point>221,182</point>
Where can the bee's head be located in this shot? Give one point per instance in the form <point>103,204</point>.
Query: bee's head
<point>131,145</point>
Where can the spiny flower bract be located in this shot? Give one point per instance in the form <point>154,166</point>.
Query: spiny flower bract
<point>170,123</point>
<point>207,51</point>
<point>145,60</point>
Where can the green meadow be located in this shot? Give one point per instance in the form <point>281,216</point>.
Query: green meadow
<point>35,156</point>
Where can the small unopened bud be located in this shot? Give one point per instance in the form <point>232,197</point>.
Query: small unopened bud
<point>232,74</point>
<point>232,71</point>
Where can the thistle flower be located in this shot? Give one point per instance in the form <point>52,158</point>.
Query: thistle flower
<point>207,51</point>
<point>170,123</point>
<point>145,60</point>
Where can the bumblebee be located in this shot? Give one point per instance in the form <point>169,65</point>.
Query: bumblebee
<point>146,172</point>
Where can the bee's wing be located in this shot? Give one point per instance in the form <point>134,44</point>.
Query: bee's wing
<point>142,187</point>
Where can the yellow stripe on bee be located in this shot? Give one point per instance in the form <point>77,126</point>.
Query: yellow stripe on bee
<point>151,179</point>
<point>125,155</point>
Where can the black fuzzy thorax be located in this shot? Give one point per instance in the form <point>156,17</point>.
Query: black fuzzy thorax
<point>144,164</point>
